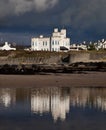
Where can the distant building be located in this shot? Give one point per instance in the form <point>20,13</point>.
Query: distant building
<point>100,44</point>
<point>73,47</point>
<point>77,47</point>
<point>7,47</point>
<point>57,42</point>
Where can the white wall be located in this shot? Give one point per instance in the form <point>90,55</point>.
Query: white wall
<point>40,44</point>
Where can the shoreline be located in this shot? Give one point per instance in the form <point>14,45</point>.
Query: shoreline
<point>88,79</point>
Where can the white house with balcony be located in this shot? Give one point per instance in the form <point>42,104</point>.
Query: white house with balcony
<point>57,42</point>
<point>7,47</point>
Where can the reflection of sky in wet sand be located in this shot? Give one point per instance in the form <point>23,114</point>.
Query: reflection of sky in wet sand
<point>56,101</point>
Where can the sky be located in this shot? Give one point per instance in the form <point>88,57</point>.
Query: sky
<point>85,20</point>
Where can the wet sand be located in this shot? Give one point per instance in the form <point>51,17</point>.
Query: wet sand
<point>89,79</point>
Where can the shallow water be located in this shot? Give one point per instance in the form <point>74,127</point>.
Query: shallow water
<point>53,108</point>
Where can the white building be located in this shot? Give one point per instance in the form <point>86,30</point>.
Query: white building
<point>100,44</point>
<point>7,47</point>
<point>77,47</point>
<point>41,43</point>
<point>57,42</point>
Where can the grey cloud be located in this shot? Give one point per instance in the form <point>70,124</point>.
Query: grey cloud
<point>21,6</point>
<point>42,5</point>
<point>5,8</point>
<point>17,7</point>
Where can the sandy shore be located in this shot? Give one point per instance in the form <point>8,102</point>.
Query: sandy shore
<point>91,79</point>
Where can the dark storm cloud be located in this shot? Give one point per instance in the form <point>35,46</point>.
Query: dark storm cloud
<point>85,17</point>
<point>66,11</point>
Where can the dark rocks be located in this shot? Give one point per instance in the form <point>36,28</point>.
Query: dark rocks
<point>52,68</point>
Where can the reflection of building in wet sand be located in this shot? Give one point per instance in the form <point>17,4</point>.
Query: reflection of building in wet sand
<point>79,96</point>
<point>40,100</point>
<point>91,97</point>
<point>60,103</point>
<point>50,99</point>
<point>7,97</point>
<point>99,98</point>
<point>10,97</point>
<point>100,103</point>
<point>56,101</point>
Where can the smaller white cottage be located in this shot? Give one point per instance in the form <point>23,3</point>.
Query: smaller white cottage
<point>7,47</point>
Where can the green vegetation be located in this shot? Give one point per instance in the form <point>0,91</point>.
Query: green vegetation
<point>22,53</point>
<point>91,47</point>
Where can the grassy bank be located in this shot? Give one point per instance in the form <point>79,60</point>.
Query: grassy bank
<point>22,53</point>
<point>20,56</point>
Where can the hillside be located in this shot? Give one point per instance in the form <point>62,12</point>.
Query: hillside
<point>51,57</point>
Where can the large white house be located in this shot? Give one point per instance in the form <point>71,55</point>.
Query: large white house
<point>57,42</point>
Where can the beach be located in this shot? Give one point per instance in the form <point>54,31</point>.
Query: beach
<point>88,79</point>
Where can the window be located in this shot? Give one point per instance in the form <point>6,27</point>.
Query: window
<point>46,43</point>
<point>43,43</point>
<point>55,42</point>
<point>58,42</point>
